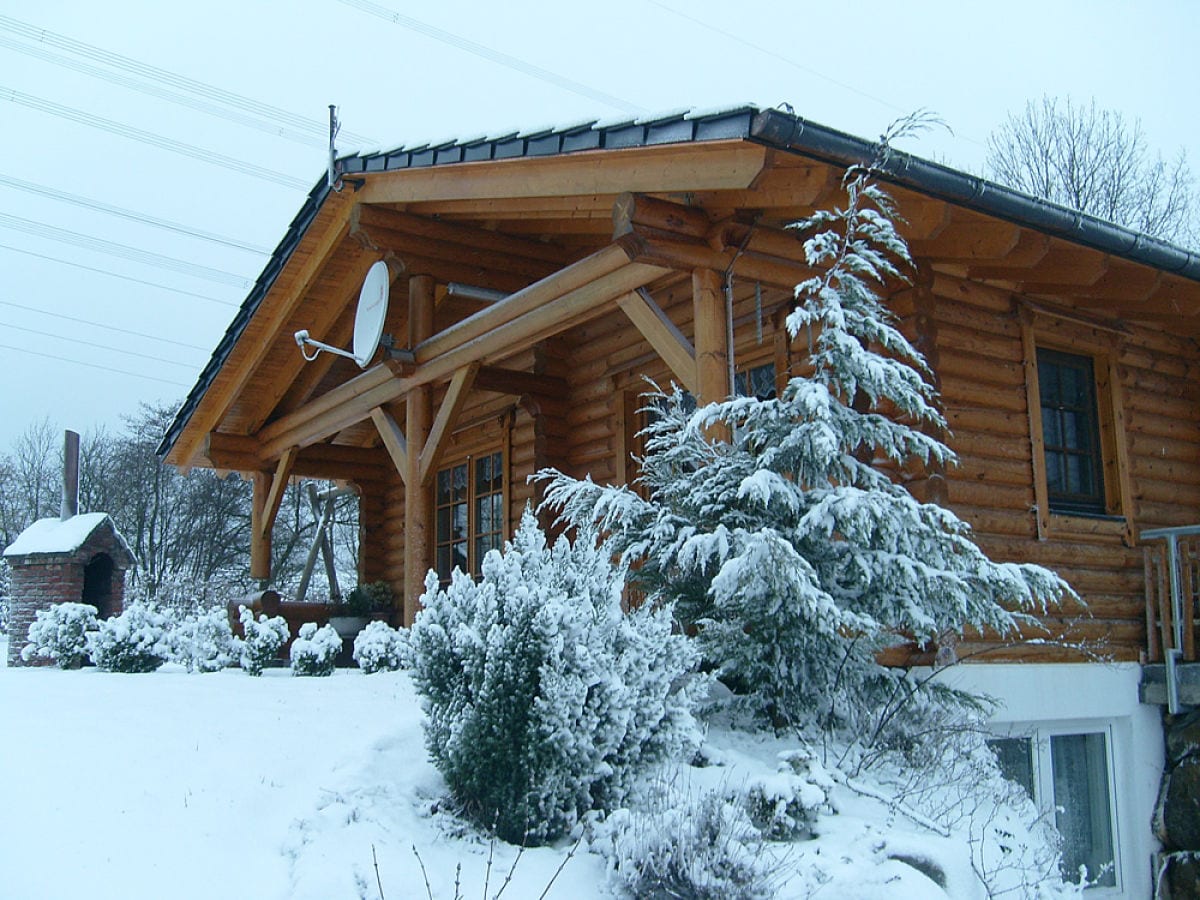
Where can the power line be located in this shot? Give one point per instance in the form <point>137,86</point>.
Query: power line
<point>165,76</point>
<point>111,274</point>
<point>91,324</point>
<point>77,341</point>
<point>78,362</point>
<point>149,137</point>
<point>495,56</point>
<point>816,73</point>
<point>38,229</point>
<point>55,194</point>
<point>162,93</point>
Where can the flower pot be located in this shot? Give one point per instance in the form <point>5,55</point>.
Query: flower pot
<point>348,626</point>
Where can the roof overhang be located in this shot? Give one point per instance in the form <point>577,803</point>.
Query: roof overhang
<point>519,213</point>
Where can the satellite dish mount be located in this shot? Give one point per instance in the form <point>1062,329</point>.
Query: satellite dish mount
<point>368,320</point>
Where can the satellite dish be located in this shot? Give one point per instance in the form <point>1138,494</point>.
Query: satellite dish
<point>372,310</point>
<point>368,319</point>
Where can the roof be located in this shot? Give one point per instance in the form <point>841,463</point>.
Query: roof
<point>771,127</point>
<point>57,537</point>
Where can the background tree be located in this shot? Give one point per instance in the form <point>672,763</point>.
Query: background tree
<point>189,529</point>
<point>1095,161</point>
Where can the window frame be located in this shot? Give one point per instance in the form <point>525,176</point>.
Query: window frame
<point>474,558</point>
<point>1040,735</point>
<point>1047,330</point>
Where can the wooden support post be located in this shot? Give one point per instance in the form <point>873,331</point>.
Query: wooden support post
<point>268,496</point>
<point>712,346</point>
<point>260,540</point>
<point>418,497</point>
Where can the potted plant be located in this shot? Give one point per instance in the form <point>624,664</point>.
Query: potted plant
<point>366,601</point>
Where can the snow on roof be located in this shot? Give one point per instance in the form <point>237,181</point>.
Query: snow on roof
<point>58,536</point>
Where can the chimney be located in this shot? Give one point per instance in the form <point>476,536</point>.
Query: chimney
<point>70,493</point>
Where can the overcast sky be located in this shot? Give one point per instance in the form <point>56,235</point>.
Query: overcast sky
<point>99,109</point>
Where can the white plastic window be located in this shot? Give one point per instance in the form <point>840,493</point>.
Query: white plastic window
<point>1069,774</point>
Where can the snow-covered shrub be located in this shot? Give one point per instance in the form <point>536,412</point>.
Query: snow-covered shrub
<point>134,641</point>
<point>315,650</point>
<point>700,849</point>
<point>784,807</point>
<point>61,633</point>
<point>786,546</point>
<point>262,641</point>
<point>379,648</point>
<point>203,641</point>
<point>543,699</point>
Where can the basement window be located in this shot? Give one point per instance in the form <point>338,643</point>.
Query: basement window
<point>469,513</point>
<point>1069,774</point>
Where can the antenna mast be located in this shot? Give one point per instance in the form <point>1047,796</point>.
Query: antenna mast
<point>335,183</point>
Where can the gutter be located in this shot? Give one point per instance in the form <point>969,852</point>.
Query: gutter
<point>792,133</point>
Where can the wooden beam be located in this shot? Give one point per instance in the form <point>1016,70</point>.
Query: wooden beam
<point>693,166</point>
<point>490,335</point>
<point>677,254</point>
<point>514,383</point>
<point>274,311</point>
<point>1065,267</point>
<point>712,345</point>
<point>632,211</point>
<point>419,508</point>
<point>283,471</point>
<point>461,235</point>
<point>795,190</point>
<point>528,300</point>
<point>968,241</point>
<point>450,258</point>
<point>393,440</point>
<point>439,433</point>
<point>260,544</point>
<point>663,335</point>
<point>240,453</point>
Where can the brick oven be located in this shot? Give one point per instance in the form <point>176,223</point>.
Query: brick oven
<point>71,559</point>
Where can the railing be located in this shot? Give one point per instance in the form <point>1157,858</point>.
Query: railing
<point>1172,600</point>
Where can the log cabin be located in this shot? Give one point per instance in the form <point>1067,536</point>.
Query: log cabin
<point>538,278</point>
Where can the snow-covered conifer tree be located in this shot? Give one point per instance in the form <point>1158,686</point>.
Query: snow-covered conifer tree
<point>789,549</point>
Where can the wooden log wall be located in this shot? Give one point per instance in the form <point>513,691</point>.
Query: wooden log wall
<point>984,398</point>
<point>975,333</point>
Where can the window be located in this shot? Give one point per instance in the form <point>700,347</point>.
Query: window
<point>1070,432</point>
<point>756,382</point>
<point>1069,774</point>
<point>1081,476</point>
<point>470,513</point>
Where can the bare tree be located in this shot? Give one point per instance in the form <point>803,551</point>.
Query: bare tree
<point>1095,161</point>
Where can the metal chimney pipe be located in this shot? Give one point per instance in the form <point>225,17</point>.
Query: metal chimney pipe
<point>70,487</point>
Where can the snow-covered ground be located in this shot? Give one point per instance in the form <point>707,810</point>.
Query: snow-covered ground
<point>221,785</point>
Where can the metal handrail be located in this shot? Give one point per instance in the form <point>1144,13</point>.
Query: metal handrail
<point>1174,653</point>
